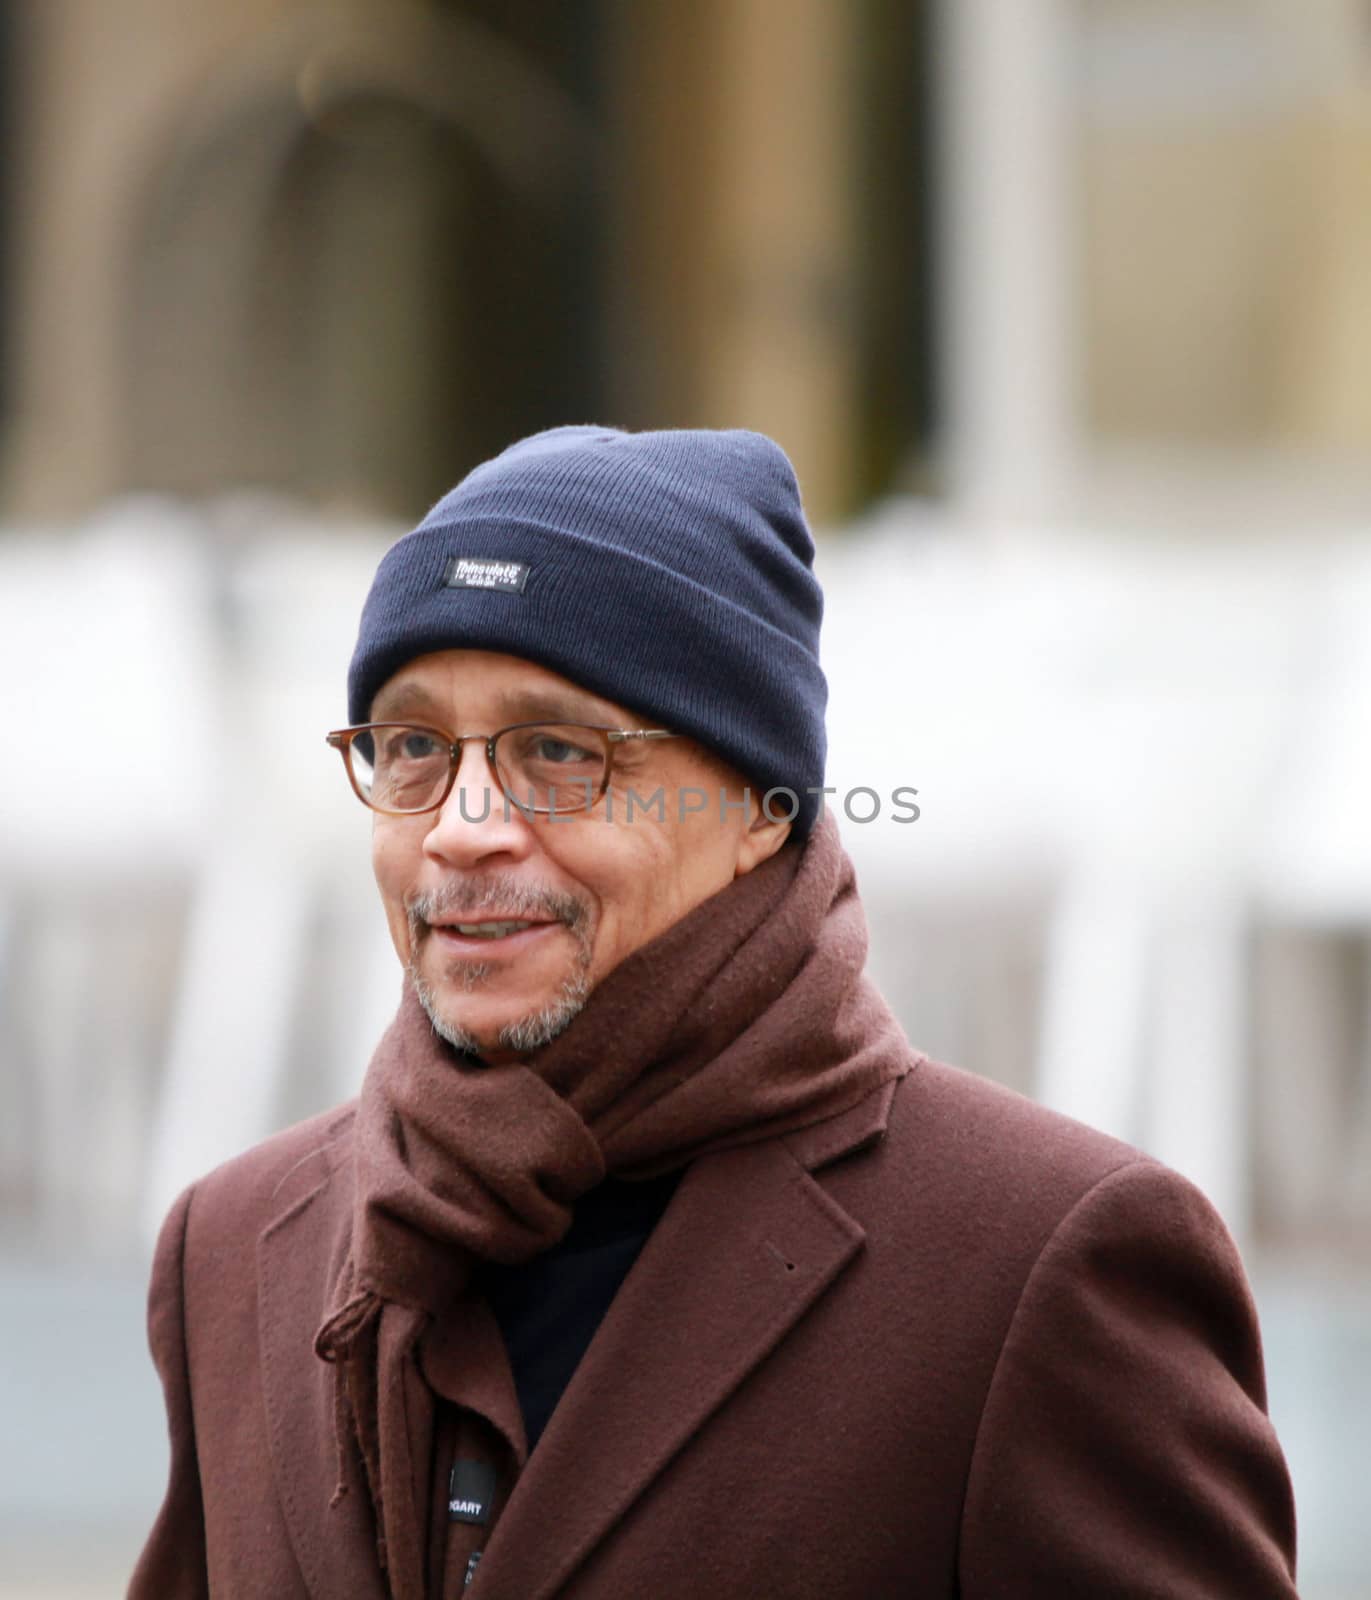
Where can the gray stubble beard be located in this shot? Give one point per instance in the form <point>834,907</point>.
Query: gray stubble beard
<point>537,1028</point>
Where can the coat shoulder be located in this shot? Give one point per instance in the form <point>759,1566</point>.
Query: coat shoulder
<point>976,1170</point>
<point>248,1191</point>
<point>982,1127</point>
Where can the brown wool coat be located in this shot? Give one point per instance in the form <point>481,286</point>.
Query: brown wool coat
<point>947,1344</point>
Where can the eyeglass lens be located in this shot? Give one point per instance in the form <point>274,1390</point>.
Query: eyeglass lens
<point>553,766</point>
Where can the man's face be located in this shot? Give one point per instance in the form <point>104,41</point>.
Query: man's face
<point>591,887</point>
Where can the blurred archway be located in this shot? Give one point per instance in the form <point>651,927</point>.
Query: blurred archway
<point>366,265</point>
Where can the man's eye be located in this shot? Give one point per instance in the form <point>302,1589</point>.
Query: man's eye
<point>558,751</point>
<point>410,745</point>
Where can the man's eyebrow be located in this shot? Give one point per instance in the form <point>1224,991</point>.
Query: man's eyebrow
<point>509,705</point>
<point>403,700</point>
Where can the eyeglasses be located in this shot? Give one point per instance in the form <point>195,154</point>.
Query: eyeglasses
<point>403,768</point>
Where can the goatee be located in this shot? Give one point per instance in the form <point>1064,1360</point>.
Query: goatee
<point>495,892</point>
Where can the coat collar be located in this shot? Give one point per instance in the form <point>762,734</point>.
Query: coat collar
<point>764,1242</point>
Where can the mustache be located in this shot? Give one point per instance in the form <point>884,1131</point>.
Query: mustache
<point>494,891</point>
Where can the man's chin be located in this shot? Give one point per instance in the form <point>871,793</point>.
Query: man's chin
<point>499,1038</point>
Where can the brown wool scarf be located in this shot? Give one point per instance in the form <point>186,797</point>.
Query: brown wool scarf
<point>748,1019</point>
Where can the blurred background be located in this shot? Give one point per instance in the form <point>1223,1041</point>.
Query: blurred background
<point>1062,309</point>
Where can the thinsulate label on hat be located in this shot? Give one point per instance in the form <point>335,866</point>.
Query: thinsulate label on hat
<point>485,572</point>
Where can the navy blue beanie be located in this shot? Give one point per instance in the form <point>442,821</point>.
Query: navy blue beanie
<point>671,572</point>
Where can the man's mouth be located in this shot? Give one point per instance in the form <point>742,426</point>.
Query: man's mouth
<point>493,917</point>
<point>490,930</point>
<point>490,935</point>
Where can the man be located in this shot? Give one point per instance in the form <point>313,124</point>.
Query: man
<point>651,1260</point>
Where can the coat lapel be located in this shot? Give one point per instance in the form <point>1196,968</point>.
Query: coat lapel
<point>298,1258</point>
<point>749,1243</point>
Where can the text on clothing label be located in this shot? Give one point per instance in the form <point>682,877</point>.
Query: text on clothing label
<point>485,572</point>
<point>471,1489</point>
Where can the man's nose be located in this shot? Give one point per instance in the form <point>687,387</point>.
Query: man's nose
<point>476,820</point>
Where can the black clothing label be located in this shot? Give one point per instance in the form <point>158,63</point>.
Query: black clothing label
<point>486,572</point>
<point>471,1489</point>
